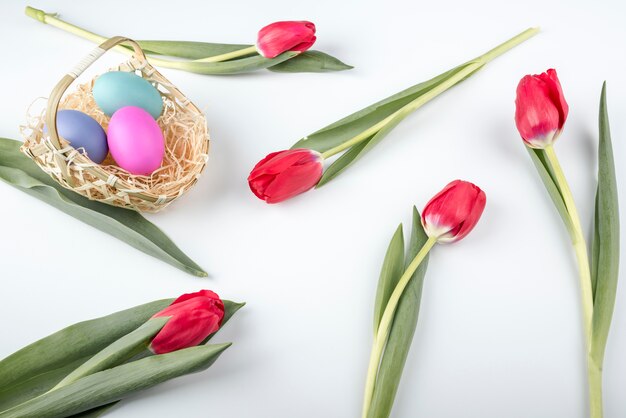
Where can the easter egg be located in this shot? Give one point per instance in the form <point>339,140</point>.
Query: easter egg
<point>117,89</point>
<point>82,131</point>
<point>135,140</point>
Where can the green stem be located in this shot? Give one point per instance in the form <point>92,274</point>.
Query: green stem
<point>52,20</point>
<point>470,67</point>
<point>594,372</point>
<point>578,241</point>
<point>380,339</point>
<point>230,55</point>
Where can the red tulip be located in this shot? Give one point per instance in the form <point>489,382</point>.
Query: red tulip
<point>540,109</point>
<point>454,211</point>
<point>193,317</point>
<point>279,37</point>
<point>285,174</point>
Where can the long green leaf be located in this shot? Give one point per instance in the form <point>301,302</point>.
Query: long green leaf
<point>118,352</point>
<point>402,329</point>
<point>114,384</point>
<point>339,132</point>
<point>546,173</point>
<point>359,150</point>
<point>126,225</point>
<point>38,367</point>
<point>605,245</point>
<point>390,273</point>
<point>311,62</point>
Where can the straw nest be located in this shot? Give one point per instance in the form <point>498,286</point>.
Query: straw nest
<point>186,149</point>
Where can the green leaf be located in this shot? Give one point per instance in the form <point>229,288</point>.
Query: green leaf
<point>230,308</point>
<point>339,132</point>
<point>95,412</point>
<point>393,267</point>
<point>39,366</point>
<point>605,245</point>
<point>311,61</point>
<point>114,384</point>
<point>127,225</point>
<point>358,150</point>
<point>402,329</point>
<point>546,172</point>
<point>344,161</point>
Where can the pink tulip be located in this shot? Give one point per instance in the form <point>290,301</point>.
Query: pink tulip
<point>193,317</point>
<point>285,174</point>
<point>540,109</point>
<point>279,37</point>
<point>454,211</point>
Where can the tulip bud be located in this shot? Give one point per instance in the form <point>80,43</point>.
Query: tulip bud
<point>540,109</point>
<point>285,174</point>
<point>193,317</point>
<point>454,211</point>
<point>279,37</point>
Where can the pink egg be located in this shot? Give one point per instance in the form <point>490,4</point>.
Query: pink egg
<point>135,140</point>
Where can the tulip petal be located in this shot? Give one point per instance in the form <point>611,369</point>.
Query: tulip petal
<point>556,94</point>
<point>183,331</point>
<point>293,181</point>
<point>201,293</point>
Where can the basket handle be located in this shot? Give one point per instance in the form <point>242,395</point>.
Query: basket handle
<point>68,79</point>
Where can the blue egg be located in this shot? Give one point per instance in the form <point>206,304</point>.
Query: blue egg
<point>117,89</point>
<point>83,131</point>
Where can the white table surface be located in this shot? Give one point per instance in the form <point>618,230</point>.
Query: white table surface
<point>499,332</point>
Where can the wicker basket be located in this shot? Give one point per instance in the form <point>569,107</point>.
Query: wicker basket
<point>184,130</point>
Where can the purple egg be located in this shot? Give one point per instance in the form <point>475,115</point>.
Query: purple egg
<point>82,131</point>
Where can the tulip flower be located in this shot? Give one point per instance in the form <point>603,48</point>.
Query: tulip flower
<point>279,37</point>
<point>448,217</point>
<point>276,44</point>
<point>540,109</point>
<point>454,211</point>
<point>193,317</point>
<point>540,114</point>
<point>284,174</point>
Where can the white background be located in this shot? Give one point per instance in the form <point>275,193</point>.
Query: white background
<point>499,333</point>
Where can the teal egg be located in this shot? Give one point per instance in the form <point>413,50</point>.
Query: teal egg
<point>117,89</point>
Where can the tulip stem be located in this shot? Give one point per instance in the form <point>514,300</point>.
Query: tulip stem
<point>52,20</point>
<point>380,339</point>
<point>466,70</point>
<point>230,55</point>
<point>594,371</point>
